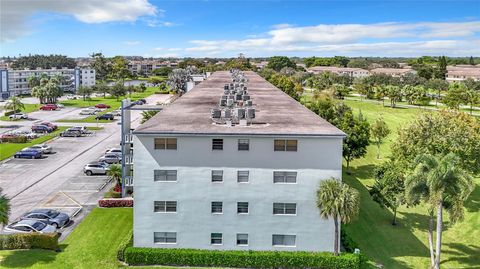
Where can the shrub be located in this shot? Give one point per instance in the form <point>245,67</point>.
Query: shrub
<point>14,139</point>
<point>127,242</point>
<point>29,240</point>
<point>347,242</point>
<point>115,203</point>
<point>241,259</point>
<point>11,112</point>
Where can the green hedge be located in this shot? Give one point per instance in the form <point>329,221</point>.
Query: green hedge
<point>11,112</point>
<point>347,242</point>
<point>29,240</point>
<point>241,259</point>
<point>127,242</point>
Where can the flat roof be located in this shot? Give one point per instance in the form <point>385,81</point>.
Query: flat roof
<point>276,112</point>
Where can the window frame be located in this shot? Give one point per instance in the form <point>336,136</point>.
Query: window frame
<point>214,178</point>
<point>243,146</point>
<point>166,176</point>
<point>237,239</point>
<point>212,238</point>
<point>165,143</point>
<point>284,209</point>
<point>284,175</point>
<point>247,172</point>
<point>216,206</point>
<point>164,206</point>
<point>217,144</point>
<point>166,238</point>
<point>284,235</point>
<point>283,145</point>
<point>247,206</point>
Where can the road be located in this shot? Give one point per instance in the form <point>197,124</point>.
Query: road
<point>58,181</point>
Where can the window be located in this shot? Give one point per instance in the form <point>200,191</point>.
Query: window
<point>285,145</point>
<point>243,144</point>
<point>165,237</point>
<point>242,207</point>
<point>165,175</point>
<point>217,176</point>
<point>165,143</point>
<point>242,176</point>
<point>283,240</point>
<point>284,208</point>
<point>284,177</point>
<point>217,207</point>
<point>242,239</point>
<point>216,238</point>
<point>165,206</point>
<point>217,144</point>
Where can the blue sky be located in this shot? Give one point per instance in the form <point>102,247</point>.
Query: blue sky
<point>225,28</point>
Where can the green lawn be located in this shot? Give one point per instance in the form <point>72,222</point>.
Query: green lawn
<point>28,108</point>
<point>93,244</point>
<point>405,245</point>
<point>8,149</point>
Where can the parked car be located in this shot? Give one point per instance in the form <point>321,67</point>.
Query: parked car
<point>102,106</point>
<point>115,151</point>
<point>28,226</point>
<point>88,112</point>
<point>41,129</point>
<point>60,106</point>
<point>81,129</point>
<point>28,154</point>
<point>49,124</point>
<point>95,109</point>
<point>67,133</point>
<point>48,216</point>
<point>96,168</point>
<point>18,116</point>
<point>117,112</point>
<point>29,135</point>
<point>44,148</point>
<point>138,102</point>
<point>106,116</point>
<point>49,107</point>
<point>110,158</point>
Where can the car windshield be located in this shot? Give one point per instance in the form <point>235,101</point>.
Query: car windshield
<point>52,213</point>
<point>39,225</point>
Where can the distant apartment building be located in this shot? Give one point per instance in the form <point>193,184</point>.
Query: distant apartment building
<point>394,72</point>
<point>15,82</point>
<point>462,72</point>
<point>146,67</point>
<point>351,72</point>
<point>233,165</point>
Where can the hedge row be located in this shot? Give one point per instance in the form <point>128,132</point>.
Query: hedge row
<point>14,139</point>
<point>11,112</point>
<point>240,259</point>
<point>115,203</point>
<point>29,240</point>
<point>127,242</point>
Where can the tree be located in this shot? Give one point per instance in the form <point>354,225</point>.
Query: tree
<point>85,91</point>
<point>338,201</point>
<point>101,88</point>
<point>340,91</point>
<point>380,93</point>
<point>285,84</point>
<point>441,183</point>
<point>388,189</point>
<point>380,131</point>
<point>119,69</point>
<point>4,208</point>
<point>471,98</point>
<point>162,71</point>
<point>101,66</point>
<point>148,114</point>
<point>43,61</point>
<point>441,71</point>
<point>115,174</point>
<point>130,89</point>
<point>14,104</point>
<point>48,91</point>
<point>117,90</point>
<point>394,93</point>
<point>471,61</point>
<point>177,81</point>
<point>437,85</point>
<point>278,62</point>
<point>190,62</point>
<point>456,95</point>
<point>439,133</point>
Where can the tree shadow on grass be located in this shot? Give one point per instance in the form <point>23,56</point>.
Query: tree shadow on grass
<point>473,201</point>
<point>463,254</point>
<point>29,257</point>
<point>420,221</point>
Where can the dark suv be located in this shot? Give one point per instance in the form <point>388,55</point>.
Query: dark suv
<point>106,116</point>
<point>41,129</point>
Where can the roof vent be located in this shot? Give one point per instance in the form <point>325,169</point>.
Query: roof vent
<point>216,113</point>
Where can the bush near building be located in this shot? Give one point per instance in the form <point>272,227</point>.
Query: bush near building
<point>240,259</point>
<point>115,202</point>
<point>29,241</point>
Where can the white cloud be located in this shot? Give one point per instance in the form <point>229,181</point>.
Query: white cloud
<point>132,43</point>
<point>15,13</point>
<point>157,23</point>
<point>389,39</point>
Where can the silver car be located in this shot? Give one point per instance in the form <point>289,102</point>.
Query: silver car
<point>49,216</point>
<point>99,168</point>
<point>29,226</point>
<point>110,158</point>
<point>114,151</point>
<point>44,148</point>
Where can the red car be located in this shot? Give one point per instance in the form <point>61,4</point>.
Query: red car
<point>102,106</point>
<point>49,124</point>
<point>49,107</point>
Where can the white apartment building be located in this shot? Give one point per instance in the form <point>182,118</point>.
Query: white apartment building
<point>352,72</point>
<point>462,72</point>
<point>15,82</point>
<point>203,180</point>
<point>394,72</point>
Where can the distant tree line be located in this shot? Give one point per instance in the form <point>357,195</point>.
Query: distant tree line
<point>43,61</point>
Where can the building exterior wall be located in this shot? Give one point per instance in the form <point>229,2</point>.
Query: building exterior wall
<point>316,159</point>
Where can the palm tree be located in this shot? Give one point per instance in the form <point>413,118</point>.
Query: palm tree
<point>337,200</point>
<point>14,104</point>
<point>440,182</point>
<point>115,173</point>
<point>4,208</point>
<point>177,80</point>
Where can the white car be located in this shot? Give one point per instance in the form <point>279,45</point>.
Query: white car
<point>110,158</point>
<point>96,168</point>
<point>117,112</point>
<point>88,112</point>
<point>60,106</point>
<point>114,151</point>
<point>44,148</point>
<point>18,116</point>
<point>29,226</point>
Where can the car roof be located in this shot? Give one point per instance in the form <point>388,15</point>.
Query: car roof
<point>29,222</point>
<point>41,210</point>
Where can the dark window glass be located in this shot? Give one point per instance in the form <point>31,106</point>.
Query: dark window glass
<point>243,144</point>
<point>217,144</point>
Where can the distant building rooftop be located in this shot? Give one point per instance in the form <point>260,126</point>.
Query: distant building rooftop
<point>276,112</point>
<point>391,70</point>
